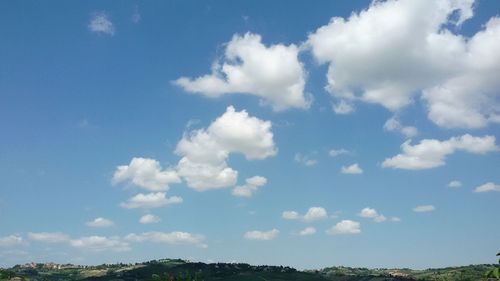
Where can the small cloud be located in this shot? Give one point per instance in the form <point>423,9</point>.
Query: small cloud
<point>306,160</point>
<point>100,243</point>
<point>100,222</point>
<point>176,237</point>
<point>424,208</point>
<point>290,215</point>
<point>149,219</point>
<point>48,237</point>
<point>372,214</point>
<point>252,184</point>
<point>150,200</point>
<point>146,173</point>
<point>11,240</point>
<point>312,214</point>
<point>455,183</point>
<point>338,152</point>
<point>262,235</point>
<point>487,187</point>
<point>315,213</point>
<point>395,219</point>
<point>353,169</point>
<point>345,227</point>
<point>432,153</point>
<point>100,23</point>
<point>307,231</point>
<point>393,124</point>
<point>342,107</point>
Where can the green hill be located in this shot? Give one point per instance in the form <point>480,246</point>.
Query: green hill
<point>179,270</point>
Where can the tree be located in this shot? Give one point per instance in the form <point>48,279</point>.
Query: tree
<point>494,273</point>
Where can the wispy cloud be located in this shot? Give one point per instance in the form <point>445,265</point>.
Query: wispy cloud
<point>424,208</point>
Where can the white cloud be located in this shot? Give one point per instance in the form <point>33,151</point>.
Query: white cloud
<point>146,173</point>
<point>11,240</point>
<point>204,152</point>
<point>395,219</point>
<point>176,237</point>
<point>343,107</point>
<point>338,152</point>
<point>150,200</point>
<point>272,73</point>
<point>307,231</point>
<point>315,213</point>
<point>431,153</point>
<point>312,214</point>
<point>149,218</point>
<point>306,160</point>
<point>353,169</point>
<point>252,184</point>
<point>455,183</point>
<point>100,243</point>
<point>261,235</point>
<point>48,237</point>
<point>100,23</point>
<point>487,187</point>
<point>393,51</point>
<point>393,124</point>
<point>345,227</point>
<point>424,208</point>
<point>100,222</point>
<point>469,99</point>
<point>290,215</point>
<point>372,214</point>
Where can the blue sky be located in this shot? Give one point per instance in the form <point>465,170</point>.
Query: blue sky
<point>327,133</point>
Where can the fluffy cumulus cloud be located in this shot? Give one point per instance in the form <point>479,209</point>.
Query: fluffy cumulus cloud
<point>312,214</point>
<point>149,219</point>
<point>146,173</point>
<point>393,51</point>
<point>100,243</point>
<point>100,23</point>
<point>424,208</point>
<point>100,222</point>
<point>307,231</point>
<point>431,153</point>
<point>393,124</point>
<point>150,200</point>
<point>345,227</point>
<point>251,185</point>
<point>352,169</point>
<point>272,73</point>
<point>11,241</point>
<point>176,237</point>
<point>372,214</point>
<point>261,235</point>
<point>455,184</point>
<point>315,213</point>
<point>204,152</point>
<point>487,187</point>
<point>470,98</point>
<point>48,237</point>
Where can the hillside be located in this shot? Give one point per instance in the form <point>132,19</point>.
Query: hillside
<point>175,269</point>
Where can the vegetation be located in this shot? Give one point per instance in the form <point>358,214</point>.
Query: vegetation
<point>180,270</point>
<point>494,273</point>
